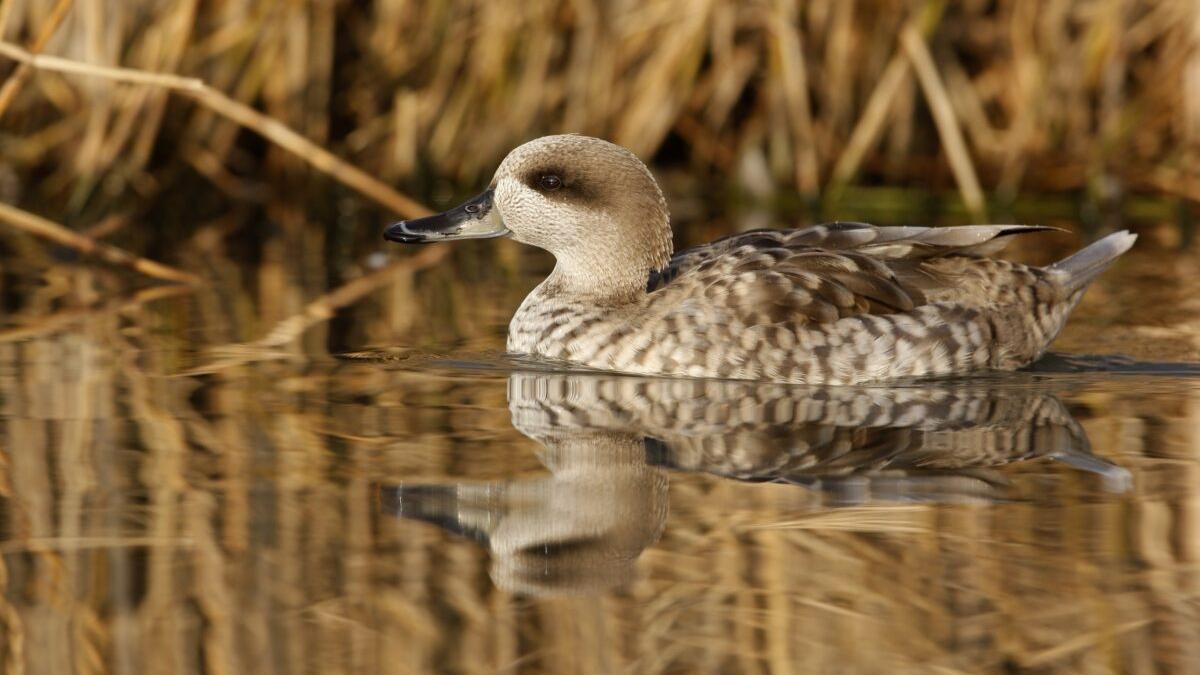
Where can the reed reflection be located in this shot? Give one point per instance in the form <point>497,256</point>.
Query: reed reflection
<point>610,443</point>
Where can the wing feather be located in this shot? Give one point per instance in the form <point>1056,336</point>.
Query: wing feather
<point>825,272</point>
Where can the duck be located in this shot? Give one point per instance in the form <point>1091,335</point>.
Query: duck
<point>838,303</point>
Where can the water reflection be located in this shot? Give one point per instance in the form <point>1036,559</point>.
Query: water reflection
<point>232,522</point>
<point>610,442</point>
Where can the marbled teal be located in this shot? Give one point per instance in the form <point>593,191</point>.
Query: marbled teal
<point>839,303</point>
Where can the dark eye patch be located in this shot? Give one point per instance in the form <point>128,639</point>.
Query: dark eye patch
<point>547,179</point>
<point>556,182</point>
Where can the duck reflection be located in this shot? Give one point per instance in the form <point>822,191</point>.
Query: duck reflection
<point>609,443</point>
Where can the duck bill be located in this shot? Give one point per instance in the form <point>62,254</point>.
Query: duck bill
<point>464,511</point>
<point>473,219</point>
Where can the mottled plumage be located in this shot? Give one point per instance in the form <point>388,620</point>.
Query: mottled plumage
<point>839,303</point>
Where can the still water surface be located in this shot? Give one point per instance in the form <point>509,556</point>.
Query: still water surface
<point>167,508</point>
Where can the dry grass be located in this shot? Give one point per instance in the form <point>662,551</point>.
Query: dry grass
<point>28,222</point>
<point>1094,96</point>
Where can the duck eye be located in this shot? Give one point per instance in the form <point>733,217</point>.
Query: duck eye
<point>550,182</point>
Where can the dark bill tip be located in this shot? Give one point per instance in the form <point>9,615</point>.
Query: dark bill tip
<point>436,504</point>
<point>396,232</point>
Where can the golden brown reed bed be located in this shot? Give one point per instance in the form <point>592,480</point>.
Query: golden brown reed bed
<point>1006,96</point>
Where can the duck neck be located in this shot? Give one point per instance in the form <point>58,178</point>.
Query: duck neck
<point>605,274</point>
<point>593,284</point>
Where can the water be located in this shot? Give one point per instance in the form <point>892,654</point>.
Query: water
<point>176,499</point>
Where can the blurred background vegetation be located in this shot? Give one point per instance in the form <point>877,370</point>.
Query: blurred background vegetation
<point>1098,99</point>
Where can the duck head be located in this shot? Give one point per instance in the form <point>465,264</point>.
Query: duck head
<point>591,203</point>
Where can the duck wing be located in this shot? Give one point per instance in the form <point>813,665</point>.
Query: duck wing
<point>827,272</point>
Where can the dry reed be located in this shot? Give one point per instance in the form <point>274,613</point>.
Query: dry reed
<point>28,222</point>
<point>272,129</point>
<point>1095,97</point>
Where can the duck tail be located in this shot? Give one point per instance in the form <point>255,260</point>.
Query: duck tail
<point>1078,270</point>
